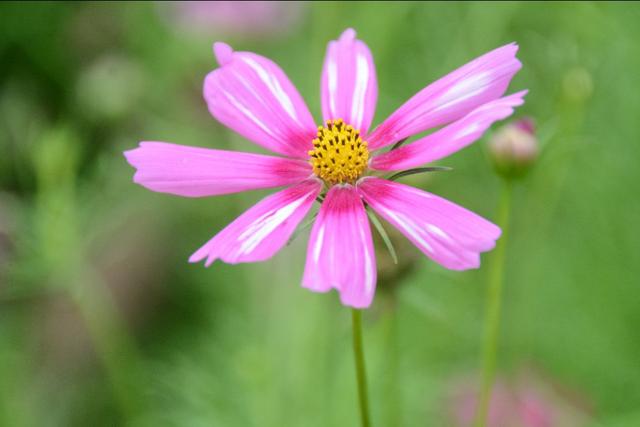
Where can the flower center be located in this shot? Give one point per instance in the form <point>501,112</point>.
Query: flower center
<point>339,154</point>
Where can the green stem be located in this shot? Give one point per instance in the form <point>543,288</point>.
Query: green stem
<point>361,376</point>
<point>493,306</point>
<point>112,342</point>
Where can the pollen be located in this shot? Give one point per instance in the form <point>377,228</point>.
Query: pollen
<point>339,154</point>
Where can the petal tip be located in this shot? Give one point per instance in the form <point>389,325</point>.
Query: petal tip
<point>200,254</point>
<point>315,286</point>
<point>348,35</point>
<point>497,233</point>
<point>223,53</point>
<point>509,50</point>
<point>197,257</point>
<point>513,46</point>
<point>357,303</point>
<point>128,154</point>
<point>516,99</point>
<point>132,156</point>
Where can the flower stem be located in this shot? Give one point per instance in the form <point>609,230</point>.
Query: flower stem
<point>361,376</point>
<point>112,342</point>
<point>493,306</point>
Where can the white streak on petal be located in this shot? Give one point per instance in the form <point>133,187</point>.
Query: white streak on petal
<point>272,82</point>
<point>359,92</point>
<point>473,127</point>
<point>264,225</point>
<point>247,113</point>
<point>434,229</point>
<point>368,265</point>
<point>318,246</point>
<point>465,89</point>
<point>409,226</point>
<point>332,74</point>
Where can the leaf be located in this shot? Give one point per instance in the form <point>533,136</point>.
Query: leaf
<point>385,237</point>
<point>398,144</point>
<point>301,228</point>
<point>418,170</point>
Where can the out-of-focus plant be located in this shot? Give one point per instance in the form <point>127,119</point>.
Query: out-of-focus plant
<point>240,19</point>
<point>513,149</point>
<point>527,400</point>
<point>52,262</point>
<point>109,89</point>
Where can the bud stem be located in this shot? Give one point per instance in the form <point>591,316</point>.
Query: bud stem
<point>493,307</point>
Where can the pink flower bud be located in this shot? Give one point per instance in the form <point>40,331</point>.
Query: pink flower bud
<point>514,147</point>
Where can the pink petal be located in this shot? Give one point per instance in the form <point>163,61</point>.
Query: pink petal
<point>340,253</point>
<point>263,230</point>
<point>252,95</point>
<point>197,172</point>
<point>449,139</point>
<point>482,80</point>
<point>349,86</point>
<point>447,233</point>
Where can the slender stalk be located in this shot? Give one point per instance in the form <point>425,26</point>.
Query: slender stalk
<point>361,376</point>
<point>112,342</point>
<point>493,307</point>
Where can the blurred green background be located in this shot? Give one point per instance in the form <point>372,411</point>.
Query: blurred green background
<point>103,322</point>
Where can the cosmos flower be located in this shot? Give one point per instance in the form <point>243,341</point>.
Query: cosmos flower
<point>338,163</point>
<point>527,400</point>
<point>508,408</point>
<point>247,19</point>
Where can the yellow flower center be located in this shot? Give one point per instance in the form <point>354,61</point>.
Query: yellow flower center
<point>339,154</point>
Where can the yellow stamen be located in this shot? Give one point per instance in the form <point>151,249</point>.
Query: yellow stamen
<point>339,154</point>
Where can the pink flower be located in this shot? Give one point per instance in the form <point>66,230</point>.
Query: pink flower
<point>252,96</point>
<point>233,18</point>
<point>529,400</point>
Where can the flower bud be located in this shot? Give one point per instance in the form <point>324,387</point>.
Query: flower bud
<point>514,148</point>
